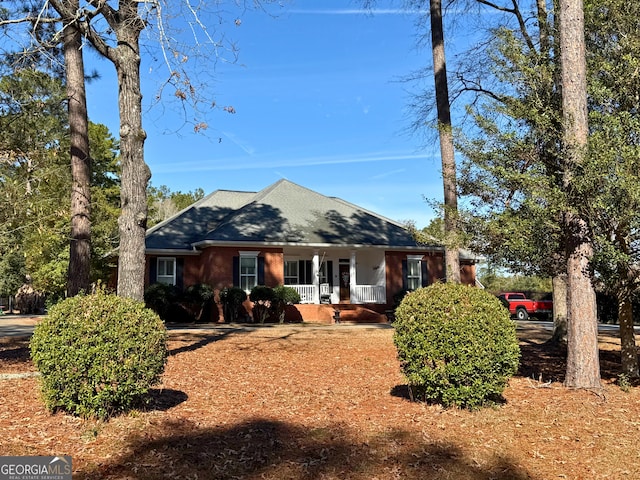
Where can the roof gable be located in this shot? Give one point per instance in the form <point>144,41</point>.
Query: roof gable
<point>284,212</point>
<point>189,225</point>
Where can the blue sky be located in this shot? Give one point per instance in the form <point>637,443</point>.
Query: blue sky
<point>318,101</point>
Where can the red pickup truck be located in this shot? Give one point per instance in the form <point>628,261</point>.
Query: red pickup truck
<point>522,307</point>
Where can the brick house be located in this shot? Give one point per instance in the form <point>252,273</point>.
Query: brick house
<point>334,253</point>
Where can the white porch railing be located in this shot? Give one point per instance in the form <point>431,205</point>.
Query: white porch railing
<point>369,294</point>
<point>306,292</point>
<point>361,293</point>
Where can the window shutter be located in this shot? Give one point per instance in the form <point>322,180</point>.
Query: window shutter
<point>260,270</point>
<point>236,271</point>
<point>308,272</point>
<point>425,273</point>
<point>179,272</point>
<point>330,272</point>
<point>405,269</point>
<point>153,270</point>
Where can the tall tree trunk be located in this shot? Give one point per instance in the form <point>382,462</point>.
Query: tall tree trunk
<point>628,351</point>
<point>78,278</point>
<point>583,364</point>
<point>135,172</point>
<point>125,56</point>
<point>452,256</point>
<point>559,283</point>
<point>628,282</point>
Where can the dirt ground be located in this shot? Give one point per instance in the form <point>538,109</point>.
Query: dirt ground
<point>329,402</point>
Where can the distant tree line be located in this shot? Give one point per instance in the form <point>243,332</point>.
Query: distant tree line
<point>36,181</point>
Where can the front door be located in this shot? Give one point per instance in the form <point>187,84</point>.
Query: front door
<point>345,288</point>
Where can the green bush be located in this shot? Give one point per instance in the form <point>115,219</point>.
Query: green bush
<point>194,304</point>
<point>232,300</point>
<point>199,293</point>
<point>287,295</point>
<point>162,299</point>
<point>456,344</point>
<point>98,354</point>
<point>283,296</point>
<point>262,298</point>
<point>200,300</point>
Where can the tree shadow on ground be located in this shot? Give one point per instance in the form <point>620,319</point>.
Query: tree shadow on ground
<point>194,341</point>
<point>15,350</point>
<point>268,449</point>
<point>548,362</point>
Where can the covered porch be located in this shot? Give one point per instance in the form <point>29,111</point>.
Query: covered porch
<point>336,276</point>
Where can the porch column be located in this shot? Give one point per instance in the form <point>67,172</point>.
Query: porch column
<point>352,276</point>
<point>316,276</point>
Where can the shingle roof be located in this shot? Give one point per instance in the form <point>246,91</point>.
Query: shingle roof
<point>281,213</point>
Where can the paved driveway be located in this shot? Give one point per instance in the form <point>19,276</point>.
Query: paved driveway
<point>22,325</point>
<point>17,325</point>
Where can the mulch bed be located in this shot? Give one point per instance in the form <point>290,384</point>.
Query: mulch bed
<point>329,402</point>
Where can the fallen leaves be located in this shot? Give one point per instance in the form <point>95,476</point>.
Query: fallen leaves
<point>304,402</point>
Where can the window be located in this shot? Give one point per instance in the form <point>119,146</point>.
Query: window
<point>166,271</point>
<point>306,272</point>
<point>414,273</point>
<point>248,270</point>
<point>248,273</point>
<point>290,272</point>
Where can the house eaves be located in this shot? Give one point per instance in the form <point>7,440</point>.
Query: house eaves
<point>171,252</point>
<point>215,243</point>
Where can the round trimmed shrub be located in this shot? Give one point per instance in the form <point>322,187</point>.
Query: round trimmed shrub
<point>162,299</point>
<point>457,345</point>
<point>200,293</point>
<point>232,300</point>
<point>200,301</point>
<point>283,296</point>
<point>98,354</point>
<point>286,295</point>
<point>262,298</point>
